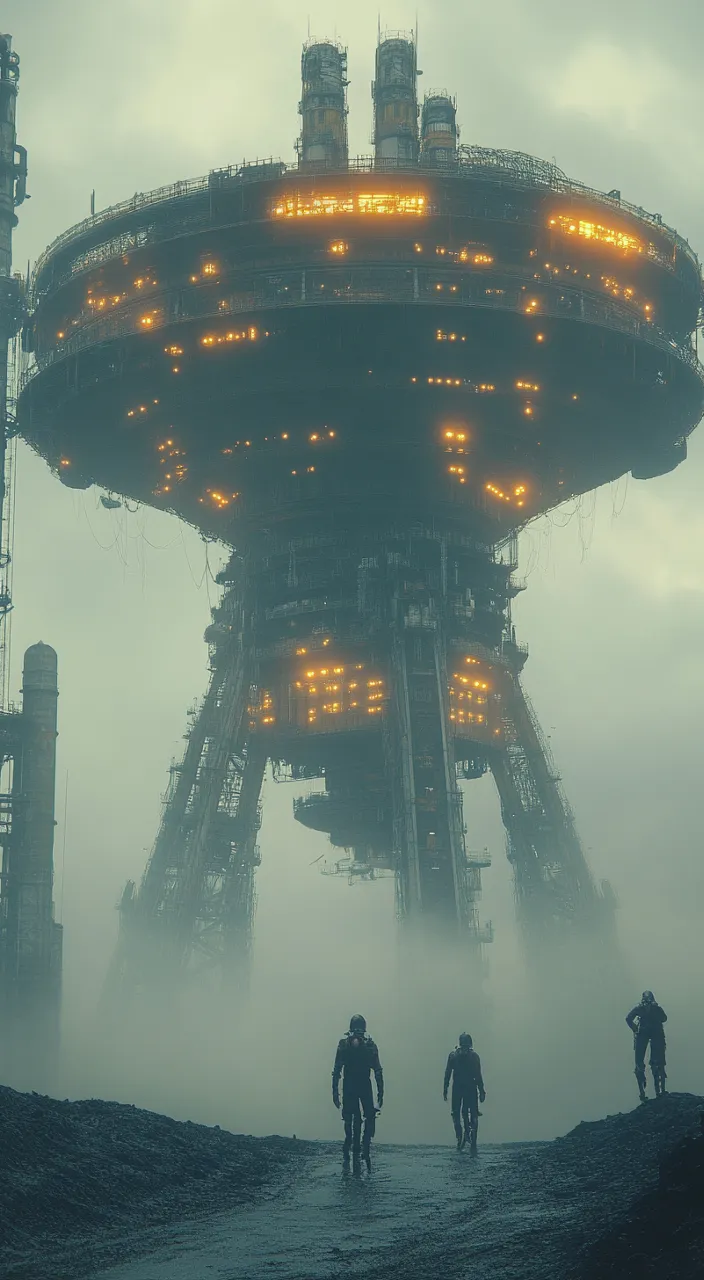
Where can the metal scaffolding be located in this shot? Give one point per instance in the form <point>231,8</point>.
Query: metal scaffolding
<point>443,702</point>
<point>195,905</point>
<point>552,880</point>
<point>30,938</point>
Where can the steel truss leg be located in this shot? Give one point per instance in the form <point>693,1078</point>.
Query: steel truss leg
<point>552,880</point>
<point>238,895</point>
<point>428,829</point>
<point>195,905</point>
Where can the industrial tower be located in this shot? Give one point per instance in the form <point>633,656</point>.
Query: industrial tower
<point>365,375</point>
<point>30,938</point>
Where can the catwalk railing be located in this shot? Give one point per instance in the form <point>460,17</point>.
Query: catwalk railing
<point>364,286</point>
<point>514,168</point>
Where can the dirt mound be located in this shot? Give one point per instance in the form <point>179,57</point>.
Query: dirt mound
<point>84,1185</point>
<point>94,1170</point>
<point>663,1233</point>
<point>552,1203</point>
<point>611,1163</point>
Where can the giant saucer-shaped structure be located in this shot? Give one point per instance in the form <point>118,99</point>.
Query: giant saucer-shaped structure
<point>365,377</point>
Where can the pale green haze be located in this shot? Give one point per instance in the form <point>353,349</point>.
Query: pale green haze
<point>125,95</point>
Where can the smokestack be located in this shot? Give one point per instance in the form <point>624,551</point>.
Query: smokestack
<point>32,943</point>
<point>438,130</point>
<point>323,106</point>
<point>394,92</point>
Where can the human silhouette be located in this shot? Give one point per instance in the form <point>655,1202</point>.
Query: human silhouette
<point>357,1056</point>
<point>647,1021</point>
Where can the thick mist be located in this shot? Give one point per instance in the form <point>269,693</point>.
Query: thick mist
<point>614,611</point>
<point>554,1046</point>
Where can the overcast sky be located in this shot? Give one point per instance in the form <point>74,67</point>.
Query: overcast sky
<point>125,95</point>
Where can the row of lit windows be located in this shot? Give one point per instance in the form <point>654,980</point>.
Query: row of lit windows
<point>251,334</point>
<point>390,203</point>
<point>468,682</point>
<point>155,318</point>
<point>479,388</point>
<point>394,203</point>
<point>596,232</point>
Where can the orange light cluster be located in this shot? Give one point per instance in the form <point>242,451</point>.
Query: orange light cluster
<point>471,712</point>
<point>464,255</point>
<point>218,499</point>
<point>336,696</point>
<point>594,231</point>
<point>102,303</point>
<point>313,644</point>
<point>262,711</point>
<point>383,203</point>
<point>515,495</point>
<point>477,259</point>
<point>618,290</point>
<point>454,440</point>
<point>233,335</point>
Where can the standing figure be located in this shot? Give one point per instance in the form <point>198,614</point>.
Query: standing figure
<point>647,1024</point>
<point>357,1056</point>
<point>467,1091</point>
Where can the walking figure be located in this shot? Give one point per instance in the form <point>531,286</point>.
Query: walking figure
<point>647,1021</point>
<point>468,1091</point>
<point>357,1056</point>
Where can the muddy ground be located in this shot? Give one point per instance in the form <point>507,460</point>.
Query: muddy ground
<point>95,1189</point>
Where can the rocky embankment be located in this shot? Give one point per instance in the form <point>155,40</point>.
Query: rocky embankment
<point>75,1176</point>
<point>89,1185</point>
<point>662,1233</point>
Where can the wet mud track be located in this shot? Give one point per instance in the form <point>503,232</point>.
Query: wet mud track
<point>103,1191</point>
<point>423,1212</point>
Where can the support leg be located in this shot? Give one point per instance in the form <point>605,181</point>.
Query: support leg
<point>238,881</point>
<point>427,803</point>
<point>554,887</point>
<point>196,893</point>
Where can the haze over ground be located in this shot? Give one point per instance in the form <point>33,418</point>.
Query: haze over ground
<point>125,96</point>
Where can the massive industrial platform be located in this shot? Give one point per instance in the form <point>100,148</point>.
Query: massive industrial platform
<point>365,375</point>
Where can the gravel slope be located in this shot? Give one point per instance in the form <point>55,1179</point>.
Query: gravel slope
<point>86,1186</point>
<point>662,1234</point>
<point>78,1179</point>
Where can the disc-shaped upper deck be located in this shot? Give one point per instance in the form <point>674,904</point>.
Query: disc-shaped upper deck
<point>481,340</point>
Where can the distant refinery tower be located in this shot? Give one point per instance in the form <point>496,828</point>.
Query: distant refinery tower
<point>323,108</point>
<point>438,130</point>
<point>365,376</point>
<point>395,96</point>
<point>30,938</point>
